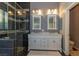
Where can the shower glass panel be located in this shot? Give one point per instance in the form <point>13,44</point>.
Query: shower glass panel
<point>3,16</point>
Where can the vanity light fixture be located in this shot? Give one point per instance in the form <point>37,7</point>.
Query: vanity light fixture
<point>52,11</point>
<point>49,11</point>
<point>38,12</point>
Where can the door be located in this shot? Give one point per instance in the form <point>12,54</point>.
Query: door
<point>74,25</point>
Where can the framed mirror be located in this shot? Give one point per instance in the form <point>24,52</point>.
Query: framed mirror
<point>36,22</point>
<point>51,22</point>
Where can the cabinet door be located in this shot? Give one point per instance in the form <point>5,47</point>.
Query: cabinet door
<point>59,44</point>
<point>43,43</point>
<point>33,43</point>
<point>55,42</point>
<point>52,44</point>
<point>37,43</point>
<point>30,43</point>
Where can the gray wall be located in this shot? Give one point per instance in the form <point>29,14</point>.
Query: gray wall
<point>44,6</point>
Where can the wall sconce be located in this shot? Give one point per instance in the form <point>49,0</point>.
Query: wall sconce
<point>49,11</point>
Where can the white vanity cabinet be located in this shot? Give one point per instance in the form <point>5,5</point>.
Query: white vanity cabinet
<point>45,41</point>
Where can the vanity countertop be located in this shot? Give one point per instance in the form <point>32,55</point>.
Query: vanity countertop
<point>45,34</point>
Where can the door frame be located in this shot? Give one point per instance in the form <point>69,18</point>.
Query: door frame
<point>67,26</point>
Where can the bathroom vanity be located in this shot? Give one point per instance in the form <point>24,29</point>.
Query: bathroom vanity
<point>45,41</point>
<point>44,31</point>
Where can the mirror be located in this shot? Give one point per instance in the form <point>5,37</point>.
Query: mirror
<point>51,21</point>
<point>36,22</point>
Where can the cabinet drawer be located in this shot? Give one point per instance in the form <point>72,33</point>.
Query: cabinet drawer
<point>34,43</point>
<point>52,44</point>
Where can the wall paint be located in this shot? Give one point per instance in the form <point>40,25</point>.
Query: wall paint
<point>44,6</point>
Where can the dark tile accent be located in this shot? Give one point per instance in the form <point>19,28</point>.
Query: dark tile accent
<point>6,52</point>
<point>6,44</point>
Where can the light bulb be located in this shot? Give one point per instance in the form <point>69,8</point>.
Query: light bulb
<point>33,11</point>
<point>52,11</point>
<point>55,11</point>
<point>49,11</point>
<point>39,12</point>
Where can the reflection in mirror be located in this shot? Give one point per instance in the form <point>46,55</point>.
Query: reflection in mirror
<point>11,17</point>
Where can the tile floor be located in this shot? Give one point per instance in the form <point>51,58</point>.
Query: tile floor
<point>44,53</point>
